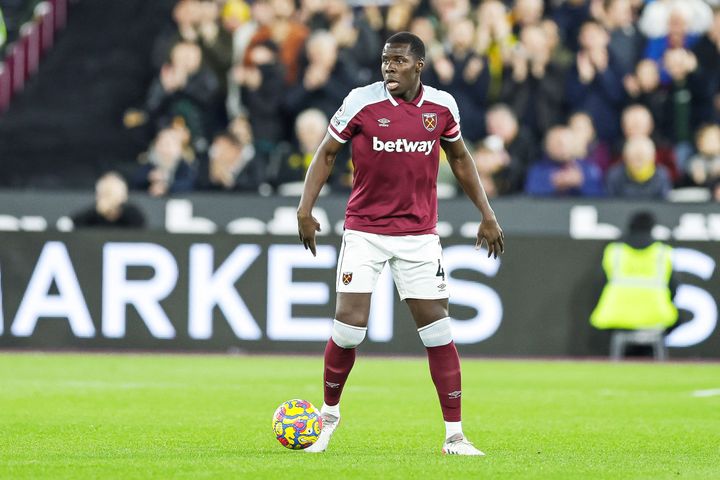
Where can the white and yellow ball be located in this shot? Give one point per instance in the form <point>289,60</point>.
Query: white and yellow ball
<point>297,424</point>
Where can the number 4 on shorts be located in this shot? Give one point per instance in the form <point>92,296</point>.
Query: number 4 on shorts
<point>440,272</point>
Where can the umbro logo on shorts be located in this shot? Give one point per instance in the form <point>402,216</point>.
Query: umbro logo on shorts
<point>346,278</point>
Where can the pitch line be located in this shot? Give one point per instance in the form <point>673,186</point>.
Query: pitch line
<point>707,393</point>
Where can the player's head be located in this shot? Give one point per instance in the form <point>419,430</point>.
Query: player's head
<point>403,58</point>
<point>641,222</point>
<point>111,192</point>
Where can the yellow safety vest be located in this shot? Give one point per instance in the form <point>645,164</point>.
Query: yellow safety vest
<point>637,294</point>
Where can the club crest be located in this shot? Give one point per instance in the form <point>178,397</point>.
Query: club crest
<point>346,277</point>
<point>429,121</point>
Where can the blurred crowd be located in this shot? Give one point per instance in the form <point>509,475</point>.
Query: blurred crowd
<point>601,98</point>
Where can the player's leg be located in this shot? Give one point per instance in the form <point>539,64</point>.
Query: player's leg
<point>349,329</point>
<point>431,318</point>
<point>420,277</point>
<point>359,265</point>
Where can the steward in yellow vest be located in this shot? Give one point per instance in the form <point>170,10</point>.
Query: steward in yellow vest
<point>639,273</point>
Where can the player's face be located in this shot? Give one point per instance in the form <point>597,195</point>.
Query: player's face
<point>401,70</point>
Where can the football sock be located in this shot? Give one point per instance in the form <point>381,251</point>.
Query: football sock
<point>333,410</point>
<point>338,363</point>
<point>452,428</point>
<point>444,366</point>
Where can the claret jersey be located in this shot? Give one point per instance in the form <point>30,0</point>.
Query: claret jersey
<point>395,153</point>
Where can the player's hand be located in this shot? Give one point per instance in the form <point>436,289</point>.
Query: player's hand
<point>307,226</point>
<point>490,232</point>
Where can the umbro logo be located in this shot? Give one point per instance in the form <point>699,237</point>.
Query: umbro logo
<point>442,287</point>
<point>332,385</point>
<point>455,394</point>
<point>383,122</point>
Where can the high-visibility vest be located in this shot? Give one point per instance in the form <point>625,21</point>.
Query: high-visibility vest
<point>637,295</point>
<point>3,30</point>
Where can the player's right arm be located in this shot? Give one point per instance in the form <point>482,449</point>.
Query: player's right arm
<point>317,175</point>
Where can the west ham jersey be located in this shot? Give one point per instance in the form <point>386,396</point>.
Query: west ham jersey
<point>395,152</point>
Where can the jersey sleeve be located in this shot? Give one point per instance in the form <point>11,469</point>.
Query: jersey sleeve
<point>344,124</point>
<point>452,127</point>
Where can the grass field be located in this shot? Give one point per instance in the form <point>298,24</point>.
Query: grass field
<point>152,416</point>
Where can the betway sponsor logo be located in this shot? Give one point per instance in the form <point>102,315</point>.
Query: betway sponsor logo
<point>403,145</point>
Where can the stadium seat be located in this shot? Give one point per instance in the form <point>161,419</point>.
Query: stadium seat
<point>654,338</point>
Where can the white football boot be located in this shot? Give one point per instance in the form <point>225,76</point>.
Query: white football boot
<point>330,423</point>
<point>459,445</point>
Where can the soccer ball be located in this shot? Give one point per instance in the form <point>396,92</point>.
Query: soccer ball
<point>297,424</point>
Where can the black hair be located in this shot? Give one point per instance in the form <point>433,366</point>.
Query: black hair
<point>641,222</point>
<point>417,47</point>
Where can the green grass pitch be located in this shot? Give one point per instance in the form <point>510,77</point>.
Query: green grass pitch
<point>154,416</point>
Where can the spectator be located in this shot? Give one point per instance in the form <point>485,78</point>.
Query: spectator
<point>707,53</point>
<point>655,19</point>
<point>324,81</point>
<point>240,128</point>
<point>185,15</point>
<point>446,12</point>
<point>261,82</point>
<point>588,146</point>
<point>290,164</point>
<point>496,42</point>
<point>184,87</point>
<point>533,84</point>
<point>400,16</point>
<point>638,122</point>
<point>595,84</point>
<point>111,207</point>
<point>626,42</point>
<point>559,53</point>
<point>559,172</point>
<point>569,16</point>
<point>639,282</point>
<point>165,170</point>
<point>684,94</point>
<point>678,37</point>
<point>424,28</point>
<point>517,141</point>
<point>261,14</point>
<point>228,166</point>
<point>215,40</point>
<point>638,177</point>
<point>526,12</point>
<point>463,74</point>
<point>642,87</point>
<point>704,167</point>
<point>358,43</point>
<point>493,162</point>
<point>287,33</point>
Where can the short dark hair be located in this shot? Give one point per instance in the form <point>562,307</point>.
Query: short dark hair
<point>417,47</point>
<point>642,222</point>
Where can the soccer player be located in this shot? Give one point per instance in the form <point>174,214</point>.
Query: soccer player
<point>397,127</point>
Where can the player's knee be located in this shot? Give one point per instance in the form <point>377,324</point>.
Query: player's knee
<point>347,336</point>
<point>437,333</point>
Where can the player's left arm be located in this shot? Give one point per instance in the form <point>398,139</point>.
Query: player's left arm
<point>464,169</point>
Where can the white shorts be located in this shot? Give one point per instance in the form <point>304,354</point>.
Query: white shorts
<point>415,263</point>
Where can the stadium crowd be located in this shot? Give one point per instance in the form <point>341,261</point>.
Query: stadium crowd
<point>617,98</point>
